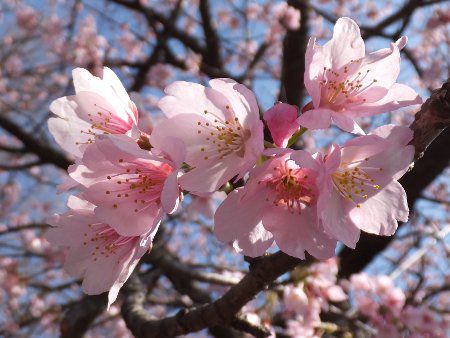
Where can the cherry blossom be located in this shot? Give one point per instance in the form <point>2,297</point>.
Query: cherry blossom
<point>99,255</point>
<point>220,127</point>
<point>345,83</point>
<point>278,203</point>
<point>358,184</point>
<point>99,106</point>
<point>131,187</point>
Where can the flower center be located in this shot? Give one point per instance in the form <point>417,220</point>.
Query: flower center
<point>354,182</point>
<point>105,240</point>
<point>140,182</point>
<point>340,88</point>
<point>291,186</point>
<point>222,137</point>
<point>105,122</point>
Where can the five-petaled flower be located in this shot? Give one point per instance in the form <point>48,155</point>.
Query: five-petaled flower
<point>99,106</point>
<point>278,203</point>
<point>358,184</point>
<point>345,83</point>
<point>97,253</point>
<point>220,127</point>
<point>131,187</point>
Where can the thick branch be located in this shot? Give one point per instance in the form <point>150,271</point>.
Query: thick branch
<point>223,311</point>
<point>77,319</point>
<point>212,54</point>
<point>293,62</point>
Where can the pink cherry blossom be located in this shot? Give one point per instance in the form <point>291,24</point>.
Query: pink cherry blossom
<point>281,120</point>
<point>131,187</point>
<point>345,83</point>
<point>305,324</point>
<point>278,203</point>
<point>27,18</point>
<point>99,106</point>
<point>322,281</point>
<point>220,126</point>
<point>358,184</point>
<point>99,255</point>
<point>295,300</point>
<point>288,16</point>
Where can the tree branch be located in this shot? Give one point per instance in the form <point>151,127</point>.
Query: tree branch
<point>263,271</point>
<point>45,153</point>
<point>293,60</point>
<point>80,315</point>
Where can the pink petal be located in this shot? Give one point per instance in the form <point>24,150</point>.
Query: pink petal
<point>333,211</point>
<point>315,118</point>
<point>379,214</point>
<point>127,267</point>
<point>112,80</point>
<point>347,124</point>
<point>336,294</point>
<point>281,120</point>
<point>276,151</point>
<point>346,44</point>
<point>67,231</point>
<point>192,98</point>
<point>295,233</point>
<point>314,63</point>
<point>360,148</point>
<point>121,213</point>
<point>383,66</point>
<point>333,159</point>
<point>242,100</point>
<point>394,162</point>
<point>77,203</point>
<point>398,96</point>
<point>305,160</point>
<point>170,195</point>
<point>174,149</point>
<point>83,80</point>
<point>399,135</point>
<point>239,220</point>
<point>184,127</point>
<point>206,178</point>
<point>92,102</point>
<point>67,129</point>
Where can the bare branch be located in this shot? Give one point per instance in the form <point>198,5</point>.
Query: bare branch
<point>263,272</point>
<point>45,153</point>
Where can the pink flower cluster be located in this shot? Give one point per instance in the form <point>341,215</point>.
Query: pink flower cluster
<point>213,138</point>
<point>384,305</point>
<point>304,303</point>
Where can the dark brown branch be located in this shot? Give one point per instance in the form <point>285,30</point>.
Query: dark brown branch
<point>212,54</point>
<point>431,120</point>
<point>248,73</point>
<point>293,62</point>
<point>262,273</point>
<point>241,324</point>
<point>80,315</point>
<point>45,153</point>
<point>169,25</point>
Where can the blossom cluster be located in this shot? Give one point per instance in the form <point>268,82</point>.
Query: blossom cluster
<point>385,306</point>
<point>213,139</point>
